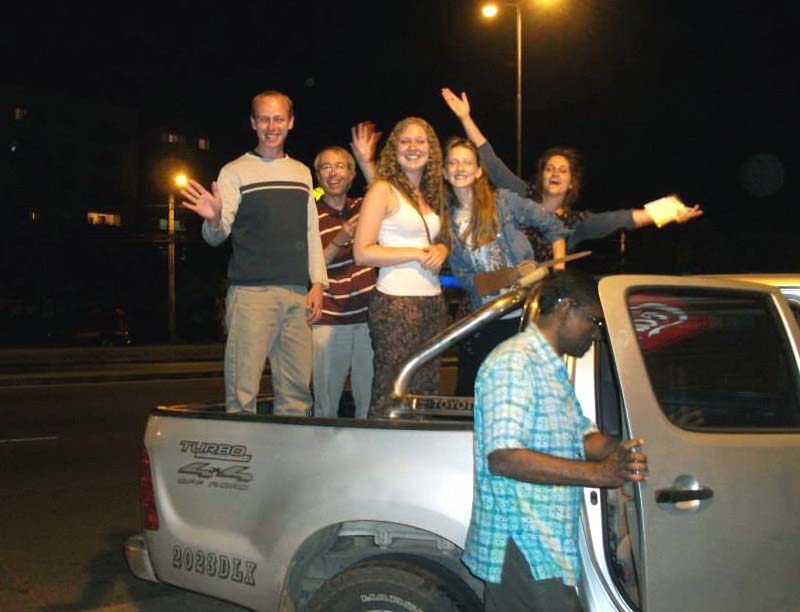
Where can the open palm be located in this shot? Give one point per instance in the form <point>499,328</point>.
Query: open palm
<point>202,202</point>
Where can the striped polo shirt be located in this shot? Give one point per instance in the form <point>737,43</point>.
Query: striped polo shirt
<point>346,300</point>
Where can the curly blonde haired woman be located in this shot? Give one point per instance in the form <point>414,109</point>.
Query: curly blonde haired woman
<point>403,230</point>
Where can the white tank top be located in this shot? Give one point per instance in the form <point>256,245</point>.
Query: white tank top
<point>406,229</point>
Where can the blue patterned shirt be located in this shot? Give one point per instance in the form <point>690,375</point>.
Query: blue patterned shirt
<point>524,399</point>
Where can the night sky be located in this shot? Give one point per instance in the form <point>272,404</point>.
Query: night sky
<point>698,98</point>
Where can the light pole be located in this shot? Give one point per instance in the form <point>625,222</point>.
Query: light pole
<point>489,11</point>
<point>180,181</point>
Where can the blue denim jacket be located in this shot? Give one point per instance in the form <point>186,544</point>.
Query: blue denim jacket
<point>512,212</point>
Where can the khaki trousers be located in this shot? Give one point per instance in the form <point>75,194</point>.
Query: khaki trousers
<point>267,321</point>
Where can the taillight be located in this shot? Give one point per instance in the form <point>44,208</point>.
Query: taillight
<point>147,497</point>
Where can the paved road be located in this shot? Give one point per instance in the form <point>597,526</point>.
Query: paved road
<point>69,496</point>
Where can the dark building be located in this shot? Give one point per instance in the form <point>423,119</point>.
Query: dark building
<point>68,161</point>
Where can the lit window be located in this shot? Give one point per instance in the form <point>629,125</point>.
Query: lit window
<point>163,224</point>
<point>34,215</point>
<point>94,218</point>
<point>172,138</point>
<point>20,113</point>
<point>204,144</point>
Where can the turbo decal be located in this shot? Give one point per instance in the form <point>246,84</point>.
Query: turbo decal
<point>216,450</point>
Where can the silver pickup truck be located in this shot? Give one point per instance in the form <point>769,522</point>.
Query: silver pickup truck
<point>284,513</point>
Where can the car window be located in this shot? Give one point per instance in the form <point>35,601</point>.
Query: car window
<point>717,360</point>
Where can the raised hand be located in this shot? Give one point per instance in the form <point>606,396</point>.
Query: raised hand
<point>459,106</point>
<point>200,201</point>
<point>364,141</point>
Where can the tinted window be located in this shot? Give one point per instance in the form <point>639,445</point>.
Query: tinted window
<point>717,360</point>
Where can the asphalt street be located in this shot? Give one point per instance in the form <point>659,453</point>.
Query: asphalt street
<point>70,456</point>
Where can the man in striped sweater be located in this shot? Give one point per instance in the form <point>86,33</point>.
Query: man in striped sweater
<point>263,201</point>
<point>341,336</point>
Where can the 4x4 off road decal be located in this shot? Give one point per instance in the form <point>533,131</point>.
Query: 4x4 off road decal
<point>216,476</point>
<point>224,567</point>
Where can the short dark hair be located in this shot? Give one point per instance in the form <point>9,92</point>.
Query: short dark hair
<point>271,93</point>
<point>574,284</point>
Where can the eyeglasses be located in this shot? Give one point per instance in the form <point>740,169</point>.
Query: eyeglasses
<point>328,168</point>
<point>597,322</point>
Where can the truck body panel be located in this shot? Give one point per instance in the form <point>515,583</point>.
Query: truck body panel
<point>264,510</point>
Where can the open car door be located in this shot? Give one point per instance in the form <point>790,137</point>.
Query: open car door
<point>708,372</point>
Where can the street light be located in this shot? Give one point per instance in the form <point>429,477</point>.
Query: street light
<point>490,11</point>
<point>180,181</point>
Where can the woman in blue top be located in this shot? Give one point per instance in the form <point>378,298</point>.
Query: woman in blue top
<point>486,236</point>
<point>557,187</point>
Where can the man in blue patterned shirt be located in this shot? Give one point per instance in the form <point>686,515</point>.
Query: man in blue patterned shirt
<point>534,450</point>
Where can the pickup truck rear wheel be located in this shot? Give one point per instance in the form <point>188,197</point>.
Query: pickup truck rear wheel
<point>391,585</point>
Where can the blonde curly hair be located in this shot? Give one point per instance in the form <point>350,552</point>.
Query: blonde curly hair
<point>432,184</point>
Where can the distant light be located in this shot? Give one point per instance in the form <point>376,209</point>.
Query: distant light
<point>180,180</point>
<point>489,10</point>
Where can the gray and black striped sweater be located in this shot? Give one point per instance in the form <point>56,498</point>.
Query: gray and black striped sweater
<point>268,209</point>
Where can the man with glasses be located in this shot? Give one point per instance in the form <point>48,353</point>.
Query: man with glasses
<point>534,450</point>
<point>263,200</point>
<point>341,335</point>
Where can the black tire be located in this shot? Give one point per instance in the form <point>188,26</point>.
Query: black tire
<point>393,585</point>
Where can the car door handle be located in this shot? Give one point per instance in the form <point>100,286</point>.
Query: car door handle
<point>675,495</point>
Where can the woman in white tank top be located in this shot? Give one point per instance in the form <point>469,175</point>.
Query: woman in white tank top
<point>403,229</point>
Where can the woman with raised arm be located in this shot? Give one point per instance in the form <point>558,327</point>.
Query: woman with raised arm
<point>557,186</point>
<point>403,230</point>
<point>485,225</point>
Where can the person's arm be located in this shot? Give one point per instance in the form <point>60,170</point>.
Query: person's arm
<point>499,173</point>
<point>559,252</point>
<point>600,225</point>
<point>509,395</point>
<point>376,207</point>
<point>363,144</point>
<point>621,465</point>
<point>528,213</point>
<point>597,446</point>
<point>461,109</point>
<point>217,207</point>
<point>317,272</point>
